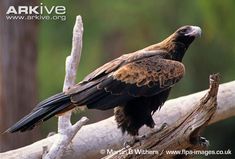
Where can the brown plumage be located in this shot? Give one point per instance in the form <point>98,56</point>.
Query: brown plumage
<point>135,84</point>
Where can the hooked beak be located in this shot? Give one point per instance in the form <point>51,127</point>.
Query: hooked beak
<point>195,31</point>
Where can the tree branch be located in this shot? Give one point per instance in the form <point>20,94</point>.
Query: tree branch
<point>94,139</point>
<point>66,131</point>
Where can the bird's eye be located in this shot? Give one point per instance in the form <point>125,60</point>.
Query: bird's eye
<point>183,30</point>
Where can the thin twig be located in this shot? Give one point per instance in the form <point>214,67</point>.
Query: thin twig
<point>65,129</point>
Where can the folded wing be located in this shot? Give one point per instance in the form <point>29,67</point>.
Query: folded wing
<point>143,77</point>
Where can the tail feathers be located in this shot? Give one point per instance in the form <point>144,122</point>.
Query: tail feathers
<point>42,112</point>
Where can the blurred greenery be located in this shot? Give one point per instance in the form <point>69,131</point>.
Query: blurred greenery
<point>112,28</point>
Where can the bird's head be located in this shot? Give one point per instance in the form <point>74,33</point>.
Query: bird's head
<point>178,42</point>
<point>186,34</point>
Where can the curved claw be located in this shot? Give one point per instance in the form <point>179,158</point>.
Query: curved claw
<point>133,141</point>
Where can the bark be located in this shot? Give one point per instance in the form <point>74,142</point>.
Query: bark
<point>18,54</point>
<point>93,140</point>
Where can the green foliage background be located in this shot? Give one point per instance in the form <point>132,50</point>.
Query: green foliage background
<point>112,28</point>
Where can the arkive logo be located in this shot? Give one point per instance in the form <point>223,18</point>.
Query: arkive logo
<point>38,10</point>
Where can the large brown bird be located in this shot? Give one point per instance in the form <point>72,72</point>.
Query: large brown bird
<point>135,84</point>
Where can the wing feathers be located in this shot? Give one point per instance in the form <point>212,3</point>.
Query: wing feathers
<point>140,78</point>
<point>149,72</point>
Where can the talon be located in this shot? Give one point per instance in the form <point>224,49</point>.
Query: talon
<point>164,125</point>
<point>156,130</point>
<point>128,144</point>
<point>134,140</point>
